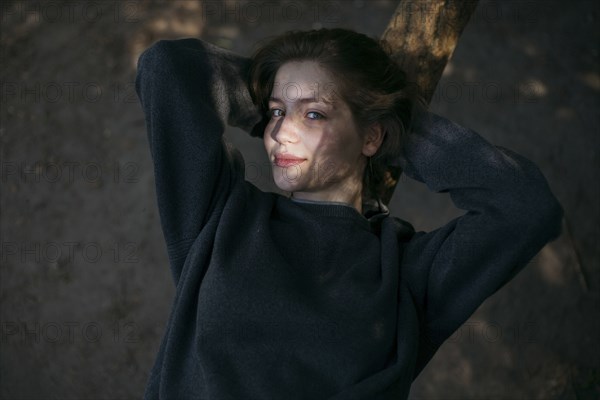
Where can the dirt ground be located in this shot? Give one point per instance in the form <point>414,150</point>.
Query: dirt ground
<point>85,287</point>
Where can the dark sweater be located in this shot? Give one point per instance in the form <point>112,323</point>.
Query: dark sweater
<point>278,298</point>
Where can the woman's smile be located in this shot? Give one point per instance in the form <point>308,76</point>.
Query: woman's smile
<point>287,160</point>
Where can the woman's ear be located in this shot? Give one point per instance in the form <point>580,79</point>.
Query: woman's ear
<point>373,139</point>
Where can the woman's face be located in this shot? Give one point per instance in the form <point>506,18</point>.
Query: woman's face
<point>315,148</point>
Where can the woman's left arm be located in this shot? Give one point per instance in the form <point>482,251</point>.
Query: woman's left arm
<point>511,214</point>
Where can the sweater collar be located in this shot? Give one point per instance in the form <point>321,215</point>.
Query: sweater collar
<point>374,211</point>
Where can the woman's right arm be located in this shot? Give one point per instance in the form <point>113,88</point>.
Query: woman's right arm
<point>189,90</point>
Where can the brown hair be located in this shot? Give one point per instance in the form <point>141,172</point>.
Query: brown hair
<point>368,80</point>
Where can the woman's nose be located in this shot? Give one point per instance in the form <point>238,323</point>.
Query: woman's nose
<point>285,130</point>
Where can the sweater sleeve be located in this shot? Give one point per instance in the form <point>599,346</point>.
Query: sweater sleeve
<point>510,215</point>
<point>189,90</point>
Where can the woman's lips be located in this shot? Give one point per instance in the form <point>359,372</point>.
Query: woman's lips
<point>288,161</point>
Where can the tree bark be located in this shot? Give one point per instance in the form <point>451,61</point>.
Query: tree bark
<point>422,35</point>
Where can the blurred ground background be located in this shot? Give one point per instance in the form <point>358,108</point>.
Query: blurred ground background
<point>85,288</point>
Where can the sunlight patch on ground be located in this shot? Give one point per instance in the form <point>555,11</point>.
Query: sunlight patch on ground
<point>550,265</point>
<point>183,19</point>
<point>591,79</point>
<point>532,88</point>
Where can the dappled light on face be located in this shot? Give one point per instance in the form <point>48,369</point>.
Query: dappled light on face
<point>328,174</point>
<point>324,175</point>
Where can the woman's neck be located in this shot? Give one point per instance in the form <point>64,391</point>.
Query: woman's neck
<point>353,199</point>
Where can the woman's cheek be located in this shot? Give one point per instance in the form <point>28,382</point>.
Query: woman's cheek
<point>267,140</point>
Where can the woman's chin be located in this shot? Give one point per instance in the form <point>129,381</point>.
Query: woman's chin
<point>287,186</point>
<point>288,179</point>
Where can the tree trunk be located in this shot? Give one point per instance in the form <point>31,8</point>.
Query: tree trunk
<point>423,35</point>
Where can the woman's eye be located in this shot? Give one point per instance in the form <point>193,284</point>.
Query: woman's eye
<point>276,112</point>
<point>314,115</point>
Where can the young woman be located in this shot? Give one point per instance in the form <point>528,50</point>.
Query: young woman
<point>319,295</point>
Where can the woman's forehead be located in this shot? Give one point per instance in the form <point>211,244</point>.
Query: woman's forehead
<point>303,80</point>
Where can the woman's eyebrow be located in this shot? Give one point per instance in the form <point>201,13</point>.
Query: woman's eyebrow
<point>303,100</point>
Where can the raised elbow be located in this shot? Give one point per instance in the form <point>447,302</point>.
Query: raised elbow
<point>541,214</point>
